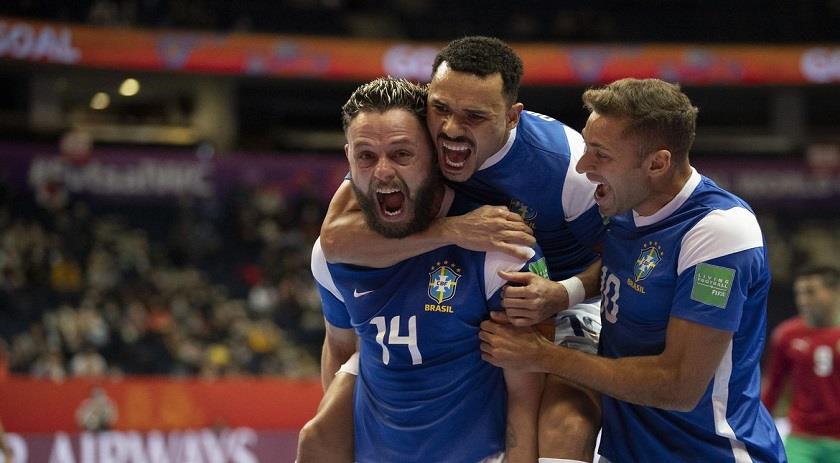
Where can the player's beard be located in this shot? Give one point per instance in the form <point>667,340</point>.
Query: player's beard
<point>425,208</point>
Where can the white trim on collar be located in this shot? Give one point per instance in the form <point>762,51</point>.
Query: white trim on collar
<point>673,205</point>
<point>494,159</point>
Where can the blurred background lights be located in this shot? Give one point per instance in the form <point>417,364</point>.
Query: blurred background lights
<point>129,87</point>
<point>100,100</point>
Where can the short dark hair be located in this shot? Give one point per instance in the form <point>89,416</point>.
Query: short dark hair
<point>383,94</point>
<point>484,56</point>
<point>830,275</point>
<point>660,114</point>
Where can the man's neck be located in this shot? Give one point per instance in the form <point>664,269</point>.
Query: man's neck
<point>437,200</point>
<point>664,193</point>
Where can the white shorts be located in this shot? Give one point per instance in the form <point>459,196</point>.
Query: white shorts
<point>351,366</point>
<point>579,327</point>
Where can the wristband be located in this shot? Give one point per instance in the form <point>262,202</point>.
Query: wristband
<point>574,287</point>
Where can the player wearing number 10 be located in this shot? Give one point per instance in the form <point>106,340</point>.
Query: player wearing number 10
<point>684,293</point>
<point>423,392</point>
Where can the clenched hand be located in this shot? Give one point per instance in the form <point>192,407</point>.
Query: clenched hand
<point>529,298</point>
<point>511,347</point>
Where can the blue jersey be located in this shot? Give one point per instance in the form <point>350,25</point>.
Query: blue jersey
<point>423,393</point>
<point>700,258</point>
<point>534,175</point>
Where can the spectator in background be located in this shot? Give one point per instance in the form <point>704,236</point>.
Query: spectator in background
<point>98,412</point>
<point>83,293</point>
<point>4,360</point>
<point>49,365</point>
<point>805,352</point>
<point>88,362</point>
<point>5,450</point>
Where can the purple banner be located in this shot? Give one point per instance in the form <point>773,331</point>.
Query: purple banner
<point>777,183</point>
<point>239,445</point>
<point>156,175</point>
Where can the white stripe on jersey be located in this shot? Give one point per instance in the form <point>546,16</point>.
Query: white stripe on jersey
<point>719,233</point>
<point>720,397</point>
<point>321,272</point>
<point>495,261</point>
<point>578,192</point>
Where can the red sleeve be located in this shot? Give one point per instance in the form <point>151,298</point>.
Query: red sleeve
<point>777,367</point>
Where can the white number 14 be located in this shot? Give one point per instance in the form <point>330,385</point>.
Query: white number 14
<point>394,337</point>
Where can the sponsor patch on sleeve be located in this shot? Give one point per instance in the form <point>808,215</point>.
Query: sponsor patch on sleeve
<point>539,267</point>
<point>712,284</point>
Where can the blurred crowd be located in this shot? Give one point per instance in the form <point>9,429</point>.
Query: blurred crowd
<point>528,20</point>
<point>203,288</point>
<point>210,287</point>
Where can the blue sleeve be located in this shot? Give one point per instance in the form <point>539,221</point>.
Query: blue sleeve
<point>334,310</point>
<point>713,293</point>
<point>535,264</point>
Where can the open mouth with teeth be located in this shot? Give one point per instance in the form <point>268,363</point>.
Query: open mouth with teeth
<point>455,154</point>
<point>600,192</point>
<point>391,202</point>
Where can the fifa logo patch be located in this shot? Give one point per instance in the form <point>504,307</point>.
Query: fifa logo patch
<point>650,256</point>
<point>527,214</point>
<point>443,281</point>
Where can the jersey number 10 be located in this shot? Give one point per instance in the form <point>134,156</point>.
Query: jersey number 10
<point>610,286</point>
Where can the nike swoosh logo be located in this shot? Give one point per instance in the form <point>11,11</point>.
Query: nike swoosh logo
<point>356,293</point>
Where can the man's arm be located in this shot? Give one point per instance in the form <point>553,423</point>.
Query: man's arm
<point>339,345</point>
<point>531,298</point>
<point>674,380</point>
<point>524,392</point>
<point>778,369</point>
<point>486,228</point>
<point>328,436</point>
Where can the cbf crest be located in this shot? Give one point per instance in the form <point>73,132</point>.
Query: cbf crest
<point>443,281</point>
<point>650,256</point>
<point>528,214</point>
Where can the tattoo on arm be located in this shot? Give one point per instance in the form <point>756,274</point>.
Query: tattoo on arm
<point>510,438</point>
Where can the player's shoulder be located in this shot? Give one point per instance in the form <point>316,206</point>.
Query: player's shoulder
<point>544,133</point>
<point>723,216</point>
<point>720,224</point>
<point>318,262</point>
<point>789,328</point>
<point>708,195</point>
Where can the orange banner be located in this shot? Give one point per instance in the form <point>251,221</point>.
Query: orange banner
<point>360,59</point>
<point>31,405</point>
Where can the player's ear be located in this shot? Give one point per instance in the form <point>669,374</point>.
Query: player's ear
<point>347,151</point>
<point>512,115</point>
<point>659,162</point>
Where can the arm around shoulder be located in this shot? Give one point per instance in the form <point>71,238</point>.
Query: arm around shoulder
<point>344,228</point>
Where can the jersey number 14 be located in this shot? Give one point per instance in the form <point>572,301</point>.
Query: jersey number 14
<point>394,337</point>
